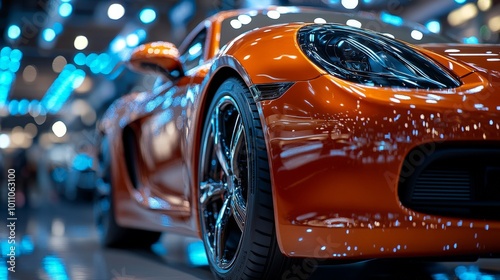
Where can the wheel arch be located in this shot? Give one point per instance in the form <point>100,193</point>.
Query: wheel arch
<point>224,67</point>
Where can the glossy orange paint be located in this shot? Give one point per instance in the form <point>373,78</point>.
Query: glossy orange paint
<point>338,154</point>
<point>335,192</point>
<point>336,148</point>
<point>158,54</point>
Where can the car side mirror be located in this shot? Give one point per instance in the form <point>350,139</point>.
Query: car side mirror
<point>157,58</point>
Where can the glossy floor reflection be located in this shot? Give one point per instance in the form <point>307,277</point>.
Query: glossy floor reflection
<point>57,240</point>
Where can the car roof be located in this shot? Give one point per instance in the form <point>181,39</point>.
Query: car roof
<point>213,24</point>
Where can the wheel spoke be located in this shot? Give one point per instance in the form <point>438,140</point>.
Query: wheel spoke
<point>220,231</point>
<point>236,141</point>
<point>220,150</point>
<point>210,190</point>
<point>223,184</point>
<point>239,208</point>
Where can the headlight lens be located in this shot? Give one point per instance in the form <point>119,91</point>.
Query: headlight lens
<point>372,59</point>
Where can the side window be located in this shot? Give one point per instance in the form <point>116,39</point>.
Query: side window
<point>194,53</point>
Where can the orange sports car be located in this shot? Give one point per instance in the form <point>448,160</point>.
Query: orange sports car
<point>285,134</point>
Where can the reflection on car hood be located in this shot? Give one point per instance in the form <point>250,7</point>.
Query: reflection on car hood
<point>484,58</point>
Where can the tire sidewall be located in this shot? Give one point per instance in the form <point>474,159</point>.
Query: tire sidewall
<point>234,89</point>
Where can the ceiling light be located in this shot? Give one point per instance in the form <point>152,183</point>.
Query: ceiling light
<point>85,86</point>
<point>118,44</point>
<point>350,4</point>
<point>434,26</point>
<point>319,20</point>
<point>14,66</point>
<point>5,51</point>
<point>147,15</point>
<point>132,40</point>
<point>116,11</point>
<point>391,19</point>
<point>49,34</point>
<point>16,55</point>
<point>494,23</point>
<point>65,9</point>
<point>141,33</point>
<point>462,15</point>
<point>78,78</point>
<point>31,130</point>
<point>471,40</point>
<point>484,5</point>
<point>80,58</point>
<point>59,129</point>
<point>29,74</point>
<point>58,28</point>
<point>41,117</point>
<point>81,42</point>
<point>354,23</point>
<point>89,60</point>
<point>4,141</point>
<point>417,35</point>
<point>13,107</point>
<point>22,106</point>
<point>19,138</point>
<point>58,63</point>
<point>34,108</point>
<point>14,32</point>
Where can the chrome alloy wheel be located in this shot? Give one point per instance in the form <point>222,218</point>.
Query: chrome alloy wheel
<point>223,183</point>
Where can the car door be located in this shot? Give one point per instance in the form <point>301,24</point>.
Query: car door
<point>163,137</point>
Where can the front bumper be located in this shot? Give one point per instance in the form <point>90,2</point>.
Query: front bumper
<point>336,151</point>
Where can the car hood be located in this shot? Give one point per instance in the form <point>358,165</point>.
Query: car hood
<point>483,58</point>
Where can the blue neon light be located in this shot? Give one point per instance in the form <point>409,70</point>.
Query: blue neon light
<point>58,28</point>
<point>471,40</point>
<point>54,268</point>
<point>14,107</point>
<point>5,51</point>
<point>14,66</point>
<point>61,89</point>
<point>80,59</point>
<point>10,61</point>
<point>82,162</point>
<point>434,26</point>
<point>23,106</point>
<point>14,32</point>
<point>16,55</point>
<point>147,15</point>
<point>49,34</point>
<point>65,9</point>
<point>4,63</point>
<point>391,19</point>
<point>196,254</point>
<point>132,40</point>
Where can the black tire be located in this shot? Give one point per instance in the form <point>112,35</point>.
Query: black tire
<point>235,201</point>
<point>110,233</point>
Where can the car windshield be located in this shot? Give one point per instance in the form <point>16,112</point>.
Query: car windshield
<point>390,25</point>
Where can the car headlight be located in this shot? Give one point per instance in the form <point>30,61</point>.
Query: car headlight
<point>369,58</point>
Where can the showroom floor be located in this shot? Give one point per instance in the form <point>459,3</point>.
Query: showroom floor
<point>57,240</point>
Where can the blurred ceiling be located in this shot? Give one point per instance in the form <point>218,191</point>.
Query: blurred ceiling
<point>62,59</point>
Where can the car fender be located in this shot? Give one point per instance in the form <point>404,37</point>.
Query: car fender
<point>272,54</point>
